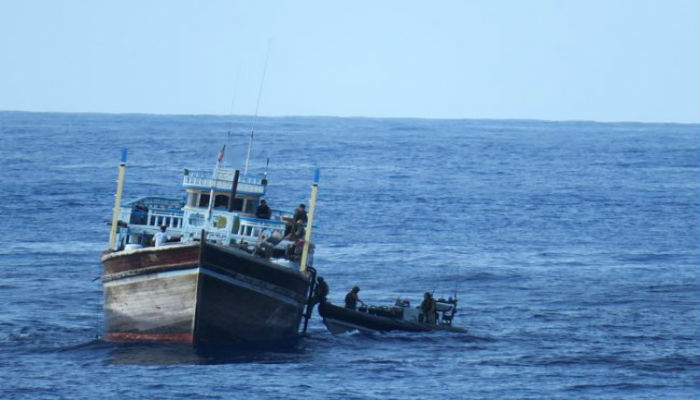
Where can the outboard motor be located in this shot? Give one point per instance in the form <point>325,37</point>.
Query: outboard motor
<point>446,310</point>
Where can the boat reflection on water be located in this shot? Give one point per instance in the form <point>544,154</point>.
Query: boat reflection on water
<point>176,354</point>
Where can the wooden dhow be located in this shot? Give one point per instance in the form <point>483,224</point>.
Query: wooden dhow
<point>211,283</point>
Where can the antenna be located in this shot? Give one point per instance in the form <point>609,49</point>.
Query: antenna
<point>233,98</point>
<point>228,139</point>
<point>257,107</point>
<point>233,106</point>
<point>267,164</point>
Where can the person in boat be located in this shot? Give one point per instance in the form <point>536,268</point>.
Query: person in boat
<point>296,236</point>
<point>266,243</point>
<point>263,211</point>
<point>160,238</point>
<point>300,213</point>
<point>261,246</point>
<point>295,250</point>
<point>288,226</point>
<point>297,232</point>
<point>351,298</point>
<point>428,308</point>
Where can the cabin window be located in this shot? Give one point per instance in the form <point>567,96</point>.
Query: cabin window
<point>153,220</point>
<point>250,206</point>
<point>204,200</point>
<point>139,215</point>
<point>167,221</point>
<point>237,204</point>
<point>221,200</point>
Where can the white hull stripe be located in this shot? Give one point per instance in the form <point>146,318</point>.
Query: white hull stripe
<point>208,272</point>
<point>149,277</point>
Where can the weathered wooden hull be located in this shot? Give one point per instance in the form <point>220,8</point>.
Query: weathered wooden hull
<point>201,294</point>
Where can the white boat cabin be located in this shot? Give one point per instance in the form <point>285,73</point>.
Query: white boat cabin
<point>227,220</point>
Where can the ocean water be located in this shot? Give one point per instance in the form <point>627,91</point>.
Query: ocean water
<point>574,248</point>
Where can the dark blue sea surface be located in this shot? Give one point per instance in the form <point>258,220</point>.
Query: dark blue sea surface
<point>574,248</point>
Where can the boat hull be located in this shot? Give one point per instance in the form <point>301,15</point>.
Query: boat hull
<point>201,294</point>
<point>339,320</point>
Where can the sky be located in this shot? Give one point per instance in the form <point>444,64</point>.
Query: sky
<point>600,60</point>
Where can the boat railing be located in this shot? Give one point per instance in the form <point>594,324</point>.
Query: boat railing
<point>228,227</point>
<point>203,179</point>
<point>169,217</point>
<point>156,201</point>
<point>250,228</point>
<point>152,217</point>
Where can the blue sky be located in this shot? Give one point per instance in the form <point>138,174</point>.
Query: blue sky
<point>613,60</point>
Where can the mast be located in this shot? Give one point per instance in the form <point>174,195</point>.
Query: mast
<point>214,177</point>
<point>234,188</point>
<point>117,202</point>
<point>312,207</point>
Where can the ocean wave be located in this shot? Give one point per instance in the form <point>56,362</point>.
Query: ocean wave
<point>49,248</point>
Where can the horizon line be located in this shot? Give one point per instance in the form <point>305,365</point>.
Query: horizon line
<point>359,117</point>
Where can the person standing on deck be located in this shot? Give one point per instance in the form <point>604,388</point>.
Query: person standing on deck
<point>160,238</point>
<point>428,308</point>
<point>351,299</point>
<point>263,211</point>
<point>300,213</point>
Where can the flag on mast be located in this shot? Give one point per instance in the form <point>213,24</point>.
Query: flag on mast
<point>221,154</point>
